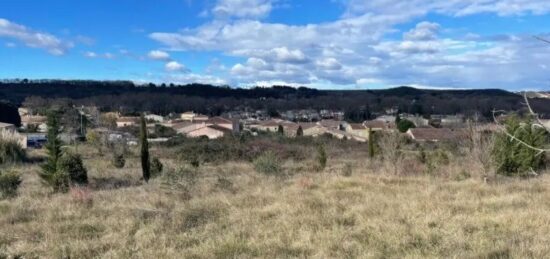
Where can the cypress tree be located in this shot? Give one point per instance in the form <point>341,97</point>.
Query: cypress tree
<point>280,130</point>
<point>371,143</point>
<point>299,131</point>
<point>145,162</point>
<point>50,173</point>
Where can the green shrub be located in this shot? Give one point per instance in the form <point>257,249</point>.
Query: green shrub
<point>10,150</point>
<point>513,158</point>
<point>71,164</point>
<point>9,183</point>
<point>268,163</point>
<point>119,161</point>
<point>404,125</point>
<point>321,158</point>
<point>156,167</point>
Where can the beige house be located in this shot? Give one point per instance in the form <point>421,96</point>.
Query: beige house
<point>357,129</point>
<point>35,120</point>
<point>222,122</point>
<point>127,122</point>
<point>269,125</point>
<point>435,134</point>
<point>191,116</point>
<point>340,134</point>
<point>211,132</point>
<point>308,129</point>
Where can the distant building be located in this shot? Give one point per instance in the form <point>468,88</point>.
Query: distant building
<point>154,117</point>
<point>435,134</point>
<point>211,132</point>
<point>122,122</point>
<point>191,116</point>
<point>34,121</point>
<point>357,129</point>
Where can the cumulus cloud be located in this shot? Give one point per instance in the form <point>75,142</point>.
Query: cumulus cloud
<point>174,66</point>
<point>32,38</point>
<point>242,8</point>
<point>355,49</point>
<point>90,54</point>
<point>158,55</point>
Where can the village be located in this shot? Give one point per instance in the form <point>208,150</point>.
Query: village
<point>115,127</point>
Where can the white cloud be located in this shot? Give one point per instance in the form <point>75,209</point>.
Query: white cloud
<point>423,31</point>
<point>242,8</point>
<point>90,54</point>
<point>174,66</point>
<point>329,64</point>
<point>32,38</point>
<point>158,55</point>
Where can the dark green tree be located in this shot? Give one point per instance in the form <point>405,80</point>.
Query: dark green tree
<point>321,157</point>
<point>405,125</point>
<point>72,165</point>
<point>299,131</point>
<point>371,143</point>
<point>280,130</point>
<point>9,114</point>
<point>145,161</point>
<point>55,178</point>
<point>514,158</point>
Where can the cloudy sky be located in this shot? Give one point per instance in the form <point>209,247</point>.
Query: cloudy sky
<point>336,44</point>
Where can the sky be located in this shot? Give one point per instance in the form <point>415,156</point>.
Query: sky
<point>325,44</point>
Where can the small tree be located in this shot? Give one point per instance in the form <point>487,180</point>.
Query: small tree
<point>71,164</point>
<point>280,130</point>
<point>50,174</point>
<point>321,157</point>
<point>515,150</point>
<point>145,162</point>
<point>299,131</point>
<point>371,143</point>
<point>156,167</point>
<point>118,160</point>
<point>403,125</point>
<point>9,183</point>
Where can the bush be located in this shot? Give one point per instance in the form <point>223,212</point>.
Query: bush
<point>321,158</point>
<point>10,149</point>
<point>268,163</point>
<point>9,183</point>
<point>119,161</point>
<point>156,167</point>
<point>513,158</point>
<point>404,125</point>
<point>71,165</point>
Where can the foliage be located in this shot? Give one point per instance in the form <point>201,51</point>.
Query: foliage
<point>9,114</point>
<point>145,160</point>
<point>71,164</point>
<point>513,158</point>
<point>50,174</point>
<point>268,163</point>
<point>371,143</point>
<point>156,167</point>
<point>299,132</point>
<point>280,130</point>
<point>9,183</point>
<point>118,160</point>
<point>164,132</point>
<point>403,125</point>
<point>321,157</point>
<point>10,149</point>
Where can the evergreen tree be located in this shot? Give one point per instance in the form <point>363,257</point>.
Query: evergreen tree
<point>145,162</point>
<point>299,131</point>
<point>321,157</point>
<point>371,143</point>
<point>57,179</point>
<point>280,130</point>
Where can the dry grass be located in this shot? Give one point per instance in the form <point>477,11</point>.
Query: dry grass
<point>235,212</point>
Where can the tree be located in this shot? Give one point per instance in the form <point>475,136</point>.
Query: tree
<point>371,143</point>
<point>299,131</point>
<point>145,162</point>
<point>9,114</point>
<point>57,179</point>
<point>71,164</point>
<point>404,125</point>
<point>516,150</point>
<point>321,157</point>
<point>397,118</point>
<point>280,130</point>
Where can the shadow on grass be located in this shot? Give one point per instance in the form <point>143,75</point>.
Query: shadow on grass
<point>112,183</point>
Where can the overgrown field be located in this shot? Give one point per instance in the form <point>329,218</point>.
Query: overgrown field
<point>440,207</point>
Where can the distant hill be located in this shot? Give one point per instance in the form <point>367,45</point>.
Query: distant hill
<point>116,95</point>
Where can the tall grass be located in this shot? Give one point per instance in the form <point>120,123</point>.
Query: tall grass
<point>10,148</point>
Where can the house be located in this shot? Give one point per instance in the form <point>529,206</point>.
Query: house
<point>357,129</point>
<point>127,121</point>
<point>308,129</point>
<point>386,118</point>
<point>155,118</point>
<point>331,124</point>
<point>379,125</point>
<point>223,122</point>
<point>435,134</point>
<point>34,121</point>
<point>186,127</point>
<point>211,132</point>
<point>191,116</point>
<point>340,134</point>
<point>268,125</point>
<point>417,120</point>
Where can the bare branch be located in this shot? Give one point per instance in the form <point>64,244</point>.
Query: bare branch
<point>539,122</point>
<point>542,39</point>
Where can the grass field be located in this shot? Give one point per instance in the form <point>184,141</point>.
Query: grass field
<point>231,211</point>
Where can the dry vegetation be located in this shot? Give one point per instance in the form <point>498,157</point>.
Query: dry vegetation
<point>354,208</point>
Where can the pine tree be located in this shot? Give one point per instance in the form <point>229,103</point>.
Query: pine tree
<point>299,131</point>
<point>57,179</point>
<point>145,162</point>
<point>371,143</point>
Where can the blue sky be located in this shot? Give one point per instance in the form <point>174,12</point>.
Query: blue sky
<point>337,44</point>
